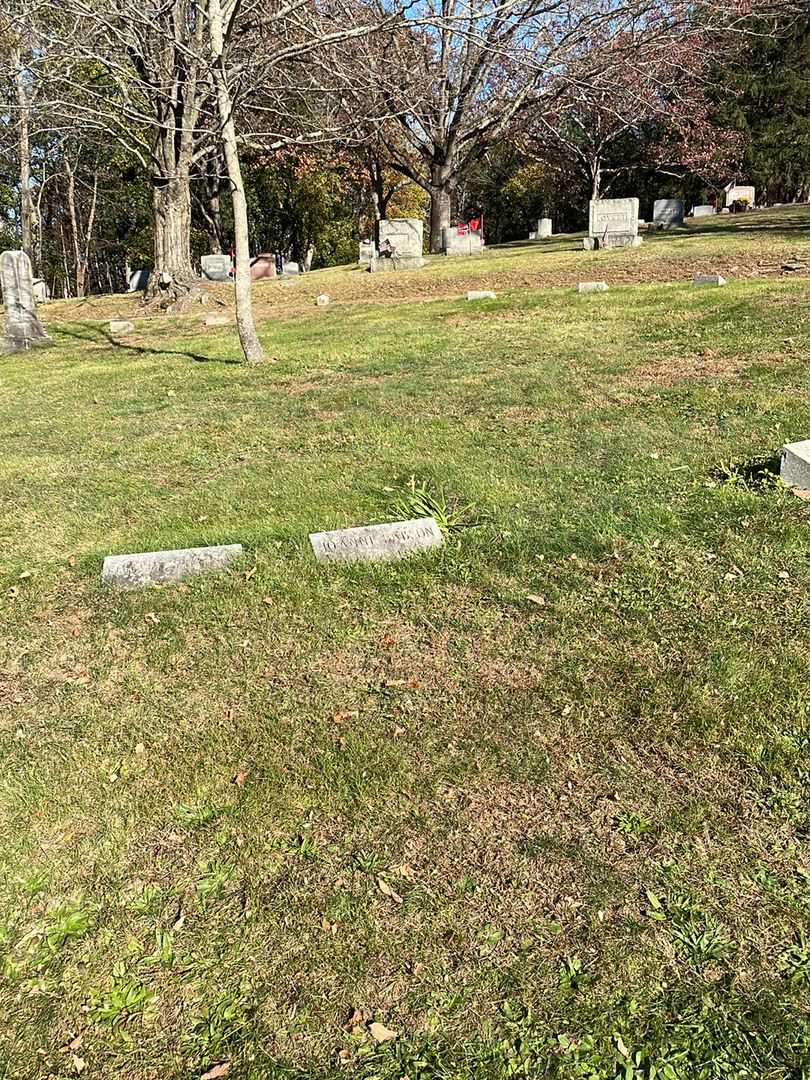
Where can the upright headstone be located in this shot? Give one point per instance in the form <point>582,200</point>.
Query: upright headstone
<point>263,266</point>
<point>400,245</point>
<point>703,211</point>
<point>466,238</point>
<point>40,289</point>
<point>668,213</point>
<point>216,267</point>
<point>738,192</point>
<point>22,328</point>
<point>613,223</point>
<point>544,228</point>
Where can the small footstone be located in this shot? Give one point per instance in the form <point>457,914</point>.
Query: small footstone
<point>322,300</point>
<point>217,320</point>
<point>156,567</point>
<point>794,467</point>
<point>708,279</point>
<point>121,326</point>
<point>592,286</point>
<point>481,294</point>
<point>377,543</point>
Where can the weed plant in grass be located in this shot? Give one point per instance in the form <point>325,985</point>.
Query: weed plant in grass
<point>535,803</point>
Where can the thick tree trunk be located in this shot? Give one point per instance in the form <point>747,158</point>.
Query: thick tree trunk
<point>173,277</point>
<point>441,193</point>
<point>24,144</point>
<point>248,338</point>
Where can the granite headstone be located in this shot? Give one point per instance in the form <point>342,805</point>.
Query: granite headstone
<point>794,467</point>
<point>22,327</point>
<point>216,267</point>
<point>157,567</point>
<point>668,213</point>
<point>544,226</point>
<point>377,543</point>
<point>613,223</point>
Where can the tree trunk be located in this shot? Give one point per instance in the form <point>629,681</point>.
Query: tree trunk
<point>596,178</point>
<point>248,338</point>
<point>210,203</point>
<point>173,277</point>
<point>441,191</point>
<point>24,144</point>
<point>78,264</point>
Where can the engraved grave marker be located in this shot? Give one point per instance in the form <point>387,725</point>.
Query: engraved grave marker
<point>377,543</point>
<point>22,327</point>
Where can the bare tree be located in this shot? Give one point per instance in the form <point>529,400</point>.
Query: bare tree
<point>221,22</point>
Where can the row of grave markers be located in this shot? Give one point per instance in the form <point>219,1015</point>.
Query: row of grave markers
<point>366,543</point>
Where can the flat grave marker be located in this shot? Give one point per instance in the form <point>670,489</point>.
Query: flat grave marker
<point>157,567</point>
<point>708,279</point>
<point>592,286</point>
<point>377,543</point>
<point>481,294</point>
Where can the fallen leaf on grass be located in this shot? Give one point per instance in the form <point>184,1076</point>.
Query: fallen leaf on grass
<point>74,1044</point>
<point>217,1071</point>
<point>380,1033</point>
<point>240,778</point>
<point>386,890</point>
<point>79,1064</point>
<point>340,717</point>
<point>534,599</point>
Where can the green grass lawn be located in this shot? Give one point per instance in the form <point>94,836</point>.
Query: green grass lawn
<point>536,803</point>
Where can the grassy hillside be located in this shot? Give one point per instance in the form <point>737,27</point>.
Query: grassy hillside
<point>535,804</point>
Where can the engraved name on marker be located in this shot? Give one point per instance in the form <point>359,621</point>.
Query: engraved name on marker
<point>377,543</point>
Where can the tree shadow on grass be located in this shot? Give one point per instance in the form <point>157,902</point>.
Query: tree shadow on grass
<point>100,336</point>
<point>758,474</point>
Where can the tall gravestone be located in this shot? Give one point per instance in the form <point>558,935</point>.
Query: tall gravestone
<point>613,223</point>
<point>668,213</point>
<point>22,328</point>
